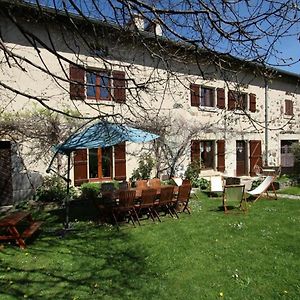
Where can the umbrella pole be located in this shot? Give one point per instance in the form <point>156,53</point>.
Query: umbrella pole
<point>68,194</point>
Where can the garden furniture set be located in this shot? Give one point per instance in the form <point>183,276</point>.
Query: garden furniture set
<point>148,199</point>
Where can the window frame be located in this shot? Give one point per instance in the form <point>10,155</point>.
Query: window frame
<point>100,165</point>
<point>213,95</point>
<point>288,107</point>
<point>97,86</point>
<point>212,153</point>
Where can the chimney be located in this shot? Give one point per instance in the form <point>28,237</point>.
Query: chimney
<point>137,22</point>
<point>154,27</point>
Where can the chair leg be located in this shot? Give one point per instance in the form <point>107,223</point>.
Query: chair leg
<point>137,217</point>
<point>156,214</point>
<point>131,218</point>
<point>169,210</point>
<point>186,207</point>
<point>173,208</point>
<point>116,221</point>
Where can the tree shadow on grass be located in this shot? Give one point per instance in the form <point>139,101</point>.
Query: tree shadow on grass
<point>92,263</point>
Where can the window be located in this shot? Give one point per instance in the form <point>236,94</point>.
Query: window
<point>289,108</point>
<point>202,96</point>
<point>287,156</point>
<point>207,154</point>
<point>100,163</point>
<point>207,97</point>
<point>98,85</point>
<point>237,100</point>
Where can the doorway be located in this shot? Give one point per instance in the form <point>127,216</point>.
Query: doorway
<point>241,158</point>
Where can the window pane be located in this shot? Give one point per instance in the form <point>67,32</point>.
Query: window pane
<point>104,86</point>
<point>207,97</point>
<point>241,100</point>
<point>93,163</point>
<point>91,85</point>
<point>106,161</point>
<point>207,154</point>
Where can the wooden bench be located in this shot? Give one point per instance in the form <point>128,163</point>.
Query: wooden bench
<point>10,227</point>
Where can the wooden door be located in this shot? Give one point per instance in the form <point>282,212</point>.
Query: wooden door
<point>241,158</point>
<point>5,174</point>
<point>255,156</point>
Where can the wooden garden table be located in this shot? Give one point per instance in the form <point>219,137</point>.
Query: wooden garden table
<point>9,227</point>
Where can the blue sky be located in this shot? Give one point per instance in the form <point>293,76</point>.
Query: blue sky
<point>287,48</point>
<point>290,47</point>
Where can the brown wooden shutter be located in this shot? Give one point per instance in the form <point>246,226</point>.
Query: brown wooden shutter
<point>289,107</point>
<point>120,161</point>
<point>6,185</point>
<point>195,94</point>
<point>220,98</point>
<point>80,167</point>
<point>77,90</point>
<point>252,106</point>
<point>119,86</point>
<point>195,150</point>
<point>255,156</point>
<point>231,100</point>
<point>221,155</point>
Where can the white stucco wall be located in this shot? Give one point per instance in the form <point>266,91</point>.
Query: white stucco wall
<point>168,95</point>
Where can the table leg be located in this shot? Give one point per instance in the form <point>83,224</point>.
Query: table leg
<point>13,230</point>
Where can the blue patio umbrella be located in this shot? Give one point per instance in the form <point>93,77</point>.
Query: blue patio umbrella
<point>104,134</point>
<point>98,135</point>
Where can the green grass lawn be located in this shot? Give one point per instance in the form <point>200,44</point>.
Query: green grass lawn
<point>291,190</point>
<point>206,255</point>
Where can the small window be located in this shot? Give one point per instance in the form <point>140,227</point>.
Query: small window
<point>289,108</point>
<point>207,97</point>
<point>98,85</point>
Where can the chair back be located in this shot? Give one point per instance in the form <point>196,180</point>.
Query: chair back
<point>154,183</point>
<point>108,187</point>
<point>216,184</point>
<point>123,185</point>
<point>233,195</point>
<point>126,198</point>
<point>141,184</point>
<point>186,181</point>
<point>148,196</point>
<point>184,192</point>
<point>166,195</point>
<point>264,185</point>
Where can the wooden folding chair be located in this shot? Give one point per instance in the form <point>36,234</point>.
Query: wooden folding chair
<point>125,207</point>
<point>263,188</point>
<point>148,199</point>
<point>216,185</point>
<point>234,197</point>
<point>154,183</point>
<point>141,184</point>
<point>182,198</point>
<point>165,199</point>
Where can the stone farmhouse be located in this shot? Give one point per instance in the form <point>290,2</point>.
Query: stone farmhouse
<point>227,113</point>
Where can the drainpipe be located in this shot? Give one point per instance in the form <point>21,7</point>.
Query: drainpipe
<point>266,123</point>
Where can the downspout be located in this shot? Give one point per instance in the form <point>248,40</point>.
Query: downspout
<point>266,123</point>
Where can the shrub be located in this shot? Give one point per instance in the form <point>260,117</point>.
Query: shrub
<point>90,191</point>
<point>146,164</point>
<point>192,173</point>
<point>255,184</point>
<point>53,189</point>
<point>201,183</point>
<point>296,152</point>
